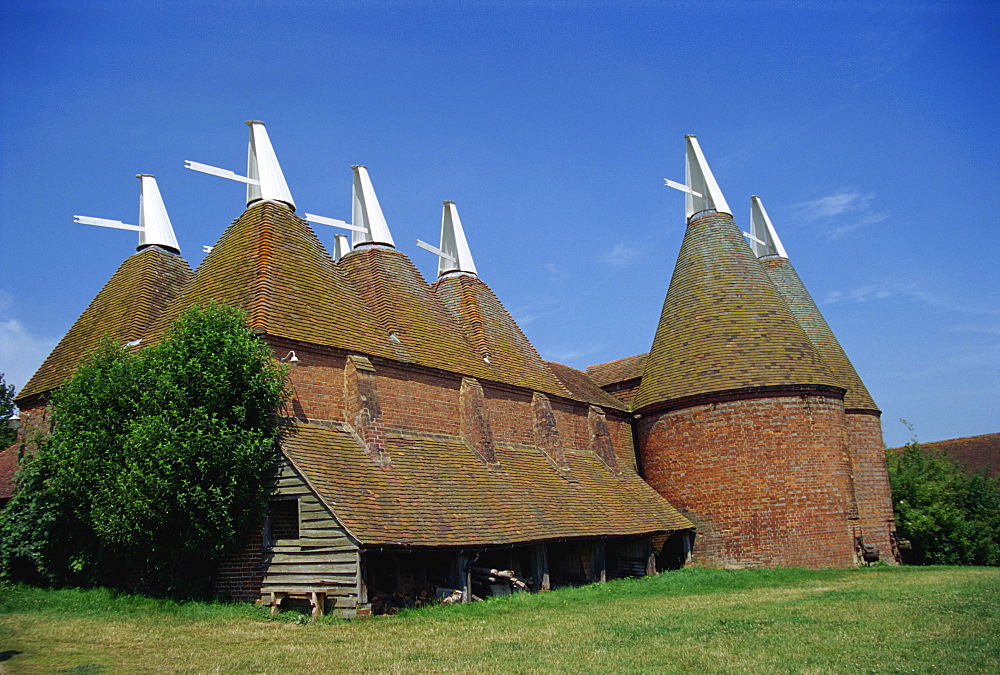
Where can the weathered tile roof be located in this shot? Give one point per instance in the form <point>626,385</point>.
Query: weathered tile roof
<point>621,370</point>
<point>975,452</point>
<point>583,388</point>
<point>123,310</point>
<point>401,303</point>
<point>806,312</point>
<point>724,326</point>
<point>270,263</point>
<point>494,333</point>
<point>438,493</point>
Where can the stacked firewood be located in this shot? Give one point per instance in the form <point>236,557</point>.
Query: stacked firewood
<point>488,575</point>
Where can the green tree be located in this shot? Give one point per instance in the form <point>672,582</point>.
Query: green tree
<point>7,435</point>
<point>949,516</point>
<point>155,462</point>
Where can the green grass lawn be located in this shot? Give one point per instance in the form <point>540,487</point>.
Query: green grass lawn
<point>876,620</point>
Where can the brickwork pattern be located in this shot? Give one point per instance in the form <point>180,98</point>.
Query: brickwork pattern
<point>546,432</point>
<point>240,575</point>
<point>766,481</point>
<point>474,422</point>
<point>871,482</point>
<point>362,411</point>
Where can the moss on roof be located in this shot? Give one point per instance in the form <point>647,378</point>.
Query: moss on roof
<point>270,263</point>
<point>583,388</point>
<point>805,311</point>
<point>724,326</point>
<point>438,493</point>
<point>401,304</point>
<point>495,335</point>
<point>124,310</point>
<point>621,370</point>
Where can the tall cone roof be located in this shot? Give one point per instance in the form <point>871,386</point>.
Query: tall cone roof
<point>779,268</point>
<point>124,311</point>
<point>494,333</point>
<point>724,326</point>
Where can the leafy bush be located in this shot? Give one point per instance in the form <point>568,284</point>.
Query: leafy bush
<point>949,516</point>
<point>155,462</point>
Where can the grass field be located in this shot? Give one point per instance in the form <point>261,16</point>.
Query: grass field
<point>876,620</point>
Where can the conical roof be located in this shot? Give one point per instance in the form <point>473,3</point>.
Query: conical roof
<point>270,263</point>
<point>413,322</point>
<point>124,310</point>
<point>804,309</point>
<point>724,326</point>
<point>494,333</point>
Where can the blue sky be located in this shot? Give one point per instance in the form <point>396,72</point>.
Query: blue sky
<point>869,129</point>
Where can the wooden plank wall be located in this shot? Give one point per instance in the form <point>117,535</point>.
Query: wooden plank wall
<point>323,558</point>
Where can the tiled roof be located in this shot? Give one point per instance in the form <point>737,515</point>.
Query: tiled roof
<point>621,370</point>
<point>494,333</point>
<point>270,263</point>
<point>583,388</point>
<point>806,312</point>
<point>975,452</point>
<point>123,310</point>
<point>401,303</point>
<point>438,493</point>
<point>724,326</point>
<point>8,468</point>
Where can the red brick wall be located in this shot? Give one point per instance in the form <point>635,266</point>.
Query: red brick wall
<point>767,481</point>
<point>241,575</point>
<point>871,482</point>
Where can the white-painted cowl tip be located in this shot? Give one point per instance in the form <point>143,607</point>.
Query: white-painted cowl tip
<point>154,223</point>
<point>699,178</point>
<point>367,213</point>
<point>454,244</point>
<point>764,240</point>
<point>263,167</point>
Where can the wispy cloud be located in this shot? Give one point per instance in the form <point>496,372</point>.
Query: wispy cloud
<point>21,351</point>
<point>569,353</point>
<point>910,291</point>
<point>555,273</point>
<point>841,212</point>
<point>623,254</point>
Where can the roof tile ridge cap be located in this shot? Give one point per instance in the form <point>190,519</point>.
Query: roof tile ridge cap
<point>471,314</point>
<point>263,267</point>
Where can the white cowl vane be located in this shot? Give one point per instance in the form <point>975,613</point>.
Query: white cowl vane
<point>154,226</point>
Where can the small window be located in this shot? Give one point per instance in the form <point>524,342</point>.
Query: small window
<point>284,518</point>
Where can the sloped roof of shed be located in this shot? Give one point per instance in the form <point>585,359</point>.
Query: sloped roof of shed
<point>583,388</point>
<point>724,326</point>
<point>806,312</point>
<point>494,333</point>
<point>620,370</point>
<point>124,310</point>
<point>438,493</point>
